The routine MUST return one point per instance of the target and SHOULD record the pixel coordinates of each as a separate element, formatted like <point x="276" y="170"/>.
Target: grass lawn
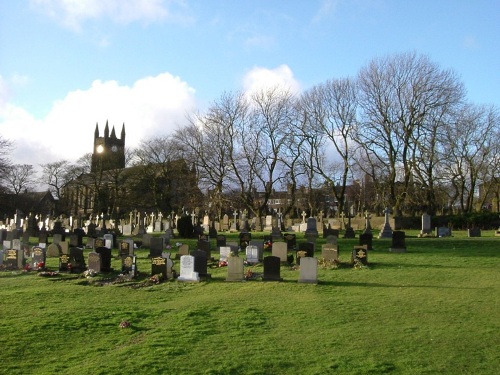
<point x="432" y="310"/>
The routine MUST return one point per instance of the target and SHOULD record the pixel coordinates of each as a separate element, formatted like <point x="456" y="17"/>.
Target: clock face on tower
<point x="100" y="149"/>
<point x="114" y="148"/>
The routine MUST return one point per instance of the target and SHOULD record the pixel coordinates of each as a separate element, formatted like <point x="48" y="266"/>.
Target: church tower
<point x="109" y="151"/>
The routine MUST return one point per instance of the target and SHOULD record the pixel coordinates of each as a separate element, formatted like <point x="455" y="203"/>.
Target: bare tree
<point x="19" y="177"/>
<point x="55" y="175"/>
<point x="399" y="96"/>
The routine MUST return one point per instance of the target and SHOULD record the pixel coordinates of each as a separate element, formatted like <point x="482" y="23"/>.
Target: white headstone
<point x="280" y="250"/>
<point x="225" y="253"/>
<point x="187" y="269"/>
<point x="308" y="270"/>
<point x="252" y="253"/>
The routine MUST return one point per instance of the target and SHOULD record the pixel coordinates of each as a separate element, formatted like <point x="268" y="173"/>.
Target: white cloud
<point x="152" y="106"/>
<point x="262" y="78"/>
<point x="73" y="13"/>
<point x="327" y="8"/>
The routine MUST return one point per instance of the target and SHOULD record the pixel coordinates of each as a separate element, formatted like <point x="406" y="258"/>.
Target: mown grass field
<point x="432" y="310"/>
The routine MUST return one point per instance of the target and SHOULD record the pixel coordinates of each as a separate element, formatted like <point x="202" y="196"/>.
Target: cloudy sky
<point x="66" y="65"/>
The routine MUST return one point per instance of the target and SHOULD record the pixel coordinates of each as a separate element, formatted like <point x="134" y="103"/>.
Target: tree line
<point x="402" y="127"/>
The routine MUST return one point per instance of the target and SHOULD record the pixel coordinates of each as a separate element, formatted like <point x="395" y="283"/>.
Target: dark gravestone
<point x="129" y="265"/>
<point x="43" y="237"/>
<point x="38" y="257"/>
<point x="328" y="231"/>
<point x="3" y="235"/>
<point x="200" y="263"/>
<point x="159" y="266"/>
<point x="360" y="254"/>
<point x="77" y="260"/>
<point x="58" y="229"/>
<point x="245" y="238"/>
<point x="155" y="247"/>
<point x="212" y="232"/>
<point x="204" y="246"/>
<point x="203" y="237"/>
<point x="474" y="232"/>
<point x="98" y="242"/>
<point x="306" y="249"/>
<point x="272" y="269"/>
<point x="64" y="263"/>
<point x="398" y="242"/>
<point x="221" y="240"/>
<point x="75" y="240"/>
<point x="91" y="230"/>
<point x="105" y="258"/>
<point x="366" y="239"/>
<point x="124" y="248"/>
<point x="13" y="259"/>
<point x="291" y="240"/>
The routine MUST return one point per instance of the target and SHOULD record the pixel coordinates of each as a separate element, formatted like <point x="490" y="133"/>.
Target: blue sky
<point x="67" y="64"/>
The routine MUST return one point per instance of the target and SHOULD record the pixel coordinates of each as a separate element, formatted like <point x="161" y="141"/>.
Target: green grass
<point x="434" y="309"/>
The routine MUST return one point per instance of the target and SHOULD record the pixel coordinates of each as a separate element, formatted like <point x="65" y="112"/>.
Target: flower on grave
<point x="168" y="247"/>
<point x="27" y="267"/>
<point x="125" y="324"/>
<point x="156" y="279"/>
<point x="268" y="245"/>
<point x="249" y="274"/>
<point x="40" y="265"/>
<point x="89" y="273"/>
<point x="223" y="263"/>
<point x="178" y="244"/>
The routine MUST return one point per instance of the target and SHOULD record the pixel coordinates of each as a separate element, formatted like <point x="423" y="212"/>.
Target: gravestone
<point x="127" y="229"/>
<point x="187" y="272"/>
<point x="272" y="269"/>
<point x="106" y="256"/>
<point x="221" y="240"/>
<point x="330" y="252"/>
<point x="235" y="269"/>
<point x="291" y="240"/>
<point x="426" y="226"/>
<point x="252" y="254"/>
<point x="474" y="232"/>
<point x="398" y="242"/>
<point x="308" y="270"/>
<point x="64" y="247"/>
<point x="94" y="261"/>
<point x="64" y="263"/>
<point x="38" y="257"/>
<point x="129" y="265"/>
<point x="443" y="232"/>
<point x="159" y="266"/>
<point x="328" y="231"/>
<point x="203" y="237"/>
<point x="2" y="252"/>
<point x="54" y="250"/>
<point x="306" y="249"/>
<point x="245" y="238"/>
<point x="204" y="245"/>
<point x="200" y="263"/>
<point x="169" y="264"/>
<point x="269" y="223"/>
<point x="225" y="223"/>
<point x="360" y="253"/>
<point x="260" y="246"/>
<point x="225" y="253"/>
<point x="98" y="242"/>
<point x="311" y="229"/>
<point x="127" y="247"/>
<point x="386" y="231"/>
<point x="109" y="240"/>
<point x="155" y="247"/>
<point x="13" y="259"/>
<point x="280" y="250"/>
<point x="57" y="238"/>
<point x="77" y="260"/>
<point x="183" y="250"/>
<point x="76" y="240"/>
<point x="43" y="238"/>
<point x="366" y="239"/>
<point x="331" y="239"/>
<point x="146" y="240"/>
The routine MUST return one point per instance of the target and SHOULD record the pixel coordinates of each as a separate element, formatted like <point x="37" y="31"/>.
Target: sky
<point x="67" y="65"/>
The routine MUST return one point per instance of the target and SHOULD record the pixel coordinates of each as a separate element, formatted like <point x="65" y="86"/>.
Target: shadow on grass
<point x="379" y="285"/>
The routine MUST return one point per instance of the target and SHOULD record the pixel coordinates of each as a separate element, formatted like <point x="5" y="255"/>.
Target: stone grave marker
<point x="443" y="232"/>
<point x="235" y="269"/>
<point x="225" y="223"/>
<point x="13" y="259"/>
<point x="245" y="238"/>
<point x="426" y="226"/>
<point x="159" y="266"/>
<point x="386" y="231"/>
<point x="169" y="264"/>
<point x="64" y="263"/>
<point x="234" y="246"/>
<point x="360" y="253"/>
<point x="221" y="240"/>
<point x="64" y="247"/>
<point x="75" y="240"/>
<point x="43" y="238"/>
<point x="260" y="246"/>
<point x="77" y="260"/>
<point x="225" y="253"/>
<point x="127" y="229"/>
<point x="38" y="257"/>
<point x="57" y="238"/>
<point x="280" y="250"/>
<point x="474" y="232"/>
<point x="311" y="229"/>
<point x="306" y="249"/>
<point x="308" y="270"/>
<point x="200" y="263"/>
<point x="398" y="242"/>
<point x="94" y="261"/>
<point x="109" y="241"/>
<point x="204" y="245"/>
<point x="105" y="253"/>
<point x="252" y="254"/>
<point x="146" y="240"/>
<point x="53" y="250"/>
<point x="2" y="252"/>
<point x="99" y="242"/>
<point x="155" y="247"/>
<point x="330" y="252"/>
<point x="291" y="240"/>
<point x="272" y="269"/>
<point x="127" y="247"/>
<point x="183" y="250"/>
<point x="129" y="265"/>
<point x="187" y="272"/>
<point x="366" y="239"/>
